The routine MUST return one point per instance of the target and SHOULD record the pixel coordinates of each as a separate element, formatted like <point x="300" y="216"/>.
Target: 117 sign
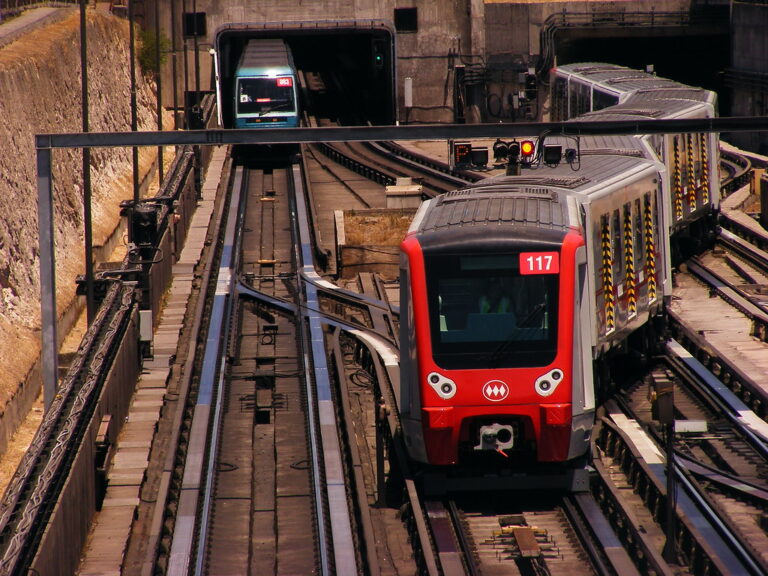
<point x="539" y="263"/>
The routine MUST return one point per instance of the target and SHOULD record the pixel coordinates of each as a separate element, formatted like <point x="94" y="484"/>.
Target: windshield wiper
<point x="500" y="352"/>
<point x="528" y="321"/>
<point x="273" y="108"/>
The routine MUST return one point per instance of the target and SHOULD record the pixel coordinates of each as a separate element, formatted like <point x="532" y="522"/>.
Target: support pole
<point x="50" y="352"/>
<point x="134" y="113"/>
<point x="159" y="86"/>
<point x="90" y="301"/>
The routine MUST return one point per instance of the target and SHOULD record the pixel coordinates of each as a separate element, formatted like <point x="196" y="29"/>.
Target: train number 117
<point x="539" y="263"/>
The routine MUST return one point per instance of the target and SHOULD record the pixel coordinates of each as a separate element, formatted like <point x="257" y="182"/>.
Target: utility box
<point x="404" y="194"/>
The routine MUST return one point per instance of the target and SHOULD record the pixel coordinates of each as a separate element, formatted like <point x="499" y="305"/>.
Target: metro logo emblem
<point x="539" y="263"/>
<point x="285" y="82"/>
<point x="495" y="390"/>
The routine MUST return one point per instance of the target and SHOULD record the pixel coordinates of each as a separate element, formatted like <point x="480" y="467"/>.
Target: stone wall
<point x="40" y="92"/>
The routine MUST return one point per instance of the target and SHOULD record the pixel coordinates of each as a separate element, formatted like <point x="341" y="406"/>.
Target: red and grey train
<point x="515" y="290"/>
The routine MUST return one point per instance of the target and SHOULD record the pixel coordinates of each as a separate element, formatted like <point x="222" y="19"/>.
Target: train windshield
<point x="263" y="95"/>
<point x="493" y="311"/>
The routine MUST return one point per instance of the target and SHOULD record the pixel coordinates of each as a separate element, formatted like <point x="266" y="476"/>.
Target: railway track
<point x="455" y="542"/>
<point x="718" y="529"/>
<point x="276" y="378"/>
<point x="715" y="470"/>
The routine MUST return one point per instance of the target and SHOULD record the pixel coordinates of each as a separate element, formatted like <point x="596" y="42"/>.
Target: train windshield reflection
<point x="488" y="314"/>
<point x="262" y="95"/>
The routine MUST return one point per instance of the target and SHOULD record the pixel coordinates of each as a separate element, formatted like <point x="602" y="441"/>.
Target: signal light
<point x="516" y="153"/>
<point x="527" y="147"/>
<point x="500" y="150"/>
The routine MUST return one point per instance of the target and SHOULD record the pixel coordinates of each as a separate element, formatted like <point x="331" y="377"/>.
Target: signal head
<point x="527" y="147"/>
<point x="500" y="150"/>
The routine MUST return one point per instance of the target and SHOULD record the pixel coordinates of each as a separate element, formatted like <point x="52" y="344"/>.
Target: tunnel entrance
<point x="356" y="61"/>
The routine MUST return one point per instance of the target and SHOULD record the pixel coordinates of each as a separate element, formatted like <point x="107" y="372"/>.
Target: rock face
<point x="40" y="93"/>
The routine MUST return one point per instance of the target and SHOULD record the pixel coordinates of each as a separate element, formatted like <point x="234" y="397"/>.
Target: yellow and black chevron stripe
<point x="704" y="169"/>
<point x="607" y="261"/>
<point x="650" y="247"/>
<point x="677" y="183"/>
<point x="691" y="175"/>
<point x="629" y="261"/>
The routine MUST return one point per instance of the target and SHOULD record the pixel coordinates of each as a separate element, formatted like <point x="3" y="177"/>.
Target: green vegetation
<point x="148" y="52"/>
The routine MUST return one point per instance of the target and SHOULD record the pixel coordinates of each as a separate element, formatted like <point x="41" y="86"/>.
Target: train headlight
<point x="547" y="383"/>
<point x="445" y="387"/>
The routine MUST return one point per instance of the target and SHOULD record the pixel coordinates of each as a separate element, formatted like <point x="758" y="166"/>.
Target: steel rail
<point x="754" y="428"/>
<point x="645" y="551"/>
<point x="325" y="441"/>
<point x="742" y="489"/>
<point x="607" y="554"/>
<point x="743" y="561"/>
<point x="359" y="494"/>
<point x="191" y="521"/>
<point x="443" y="528"/>
<point x="459" y="177"/>
<point x="738" y="381"/>
<point x="730" y="294"/>
<point x="155" y="548"/>
<point x="756" y="256"/>
<point x="717" y="540"/>
<point x="226" y="289"/>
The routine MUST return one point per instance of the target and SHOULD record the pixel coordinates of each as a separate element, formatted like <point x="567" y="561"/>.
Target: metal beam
<point x="50" y="359"/>
<point x="414" y="132"/>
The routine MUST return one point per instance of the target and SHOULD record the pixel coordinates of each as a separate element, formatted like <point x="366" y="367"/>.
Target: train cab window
<point x="485" y="313"/>
<point x="580" y="100"/>
<point x="559" y="105"/>
<point x="262" y="95"/>
<point x="602" y="100"/>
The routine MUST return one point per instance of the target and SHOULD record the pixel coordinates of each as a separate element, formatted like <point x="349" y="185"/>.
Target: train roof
<point x="541" y="198"/>
<point x="644" y="106"/>
<point x="617" y="78"/>
<point x="266" y="57"/>
<point x="604" y="145"/>
<point x="595" y="171"/>
<point x="498" y="203"/>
